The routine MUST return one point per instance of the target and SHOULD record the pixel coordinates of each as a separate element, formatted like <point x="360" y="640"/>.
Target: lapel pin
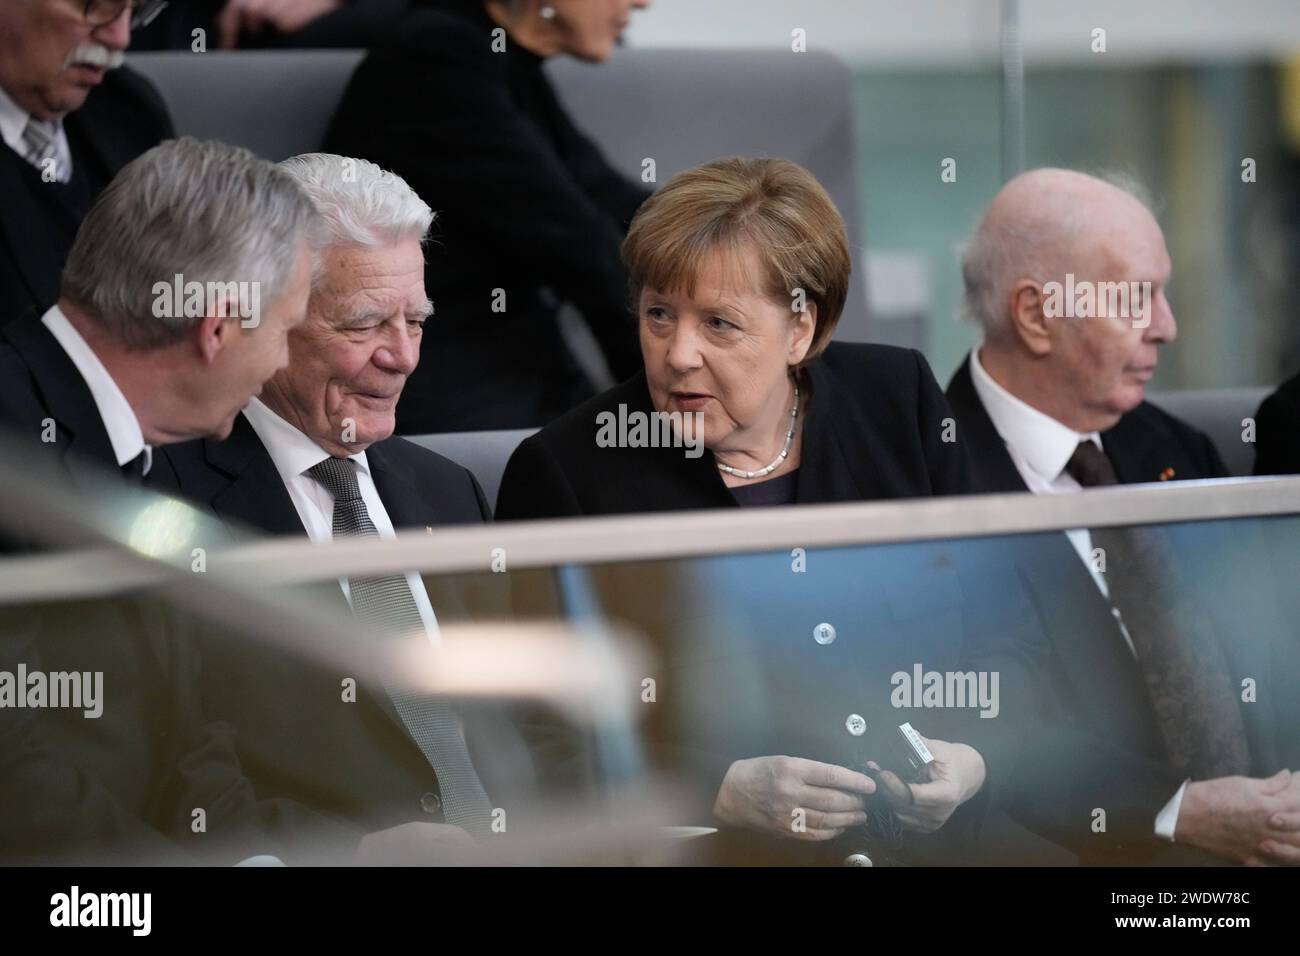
<point x="1166" y="474"/>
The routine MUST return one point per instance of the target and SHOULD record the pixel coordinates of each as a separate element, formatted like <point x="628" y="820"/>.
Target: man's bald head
<point x="1066" y="274"/>
<point x="1041" y="225"/>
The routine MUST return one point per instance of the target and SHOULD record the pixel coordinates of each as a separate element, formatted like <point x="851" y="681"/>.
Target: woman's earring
<point x="547" y="11"/>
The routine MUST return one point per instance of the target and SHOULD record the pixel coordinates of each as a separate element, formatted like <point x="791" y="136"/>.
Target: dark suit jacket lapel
<point x="837" y="459"/>
<point x="96" y="128"/>
<point x="990" y="461"/>
<point x="1135" y="457"/>
<point x="408" y="505"/>
<point x="81" y="437"/>
<point x="27" y="229"/>
<point x="255" y="496"/>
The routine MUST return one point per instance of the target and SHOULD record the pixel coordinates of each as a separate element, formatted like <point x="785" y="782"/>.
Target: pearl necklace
<point x="789" y="440"/>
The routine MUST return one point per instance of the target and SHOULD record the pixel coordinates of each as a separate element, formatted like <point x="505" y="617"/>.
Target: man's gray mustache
<point x="96" y="54"/>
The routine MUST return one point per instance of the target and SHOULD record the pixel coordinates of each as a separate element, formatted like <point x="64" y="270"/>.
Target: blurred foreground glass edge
<point x="555" y="613"/>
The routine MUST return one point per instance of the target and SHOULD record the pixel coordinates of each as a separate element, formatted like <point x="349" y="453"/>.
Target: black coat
<point x="43" y="397"/>
<point x="338" y="771"/>
<point x="1100" y="746"/>
<point x="1277" y="431"/>
<point x="874" y="430"/>
<point x="120" y="119"/>
<point x="106" y="788"/>
<point x="738" y="683"/>
<point x="525" y="203"/>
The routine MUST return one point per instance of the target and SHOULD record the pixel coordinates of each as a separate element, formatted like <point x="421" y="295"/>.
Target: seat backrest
<point x="1218" y="412"/>
<point x="678" y="108"/>
<point x="686" y="107"/>
<point x="483" y="453"/>
<point x="278" y="104"/>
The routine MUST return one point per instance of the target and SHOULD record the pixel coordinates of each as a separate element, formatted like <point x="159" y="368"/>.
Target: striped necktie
<point x="387" y="604"/>
<point x="41" y="140"/>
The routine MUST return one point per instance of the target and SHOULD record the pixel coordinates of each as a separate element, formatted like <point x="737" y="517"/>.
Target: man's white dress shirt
<point x="116" y="413"/>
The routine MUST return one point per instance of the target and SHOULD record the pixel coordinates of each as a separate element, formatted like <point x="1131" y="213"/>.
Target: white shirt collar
<point x="13" y="120"/>
<point x="290" y="449"/>
<point x="114" y="410"/>
<point x="1044" y="443"/>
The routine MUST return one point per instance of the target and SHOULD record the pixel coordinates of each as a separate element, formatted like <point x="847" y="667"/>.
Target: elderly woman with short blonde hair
<point x="739" y="270"/>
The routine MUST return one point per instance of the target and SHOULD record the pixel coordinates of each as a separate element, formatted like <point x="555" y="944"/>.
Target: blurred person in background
<point x="530" y="214"/>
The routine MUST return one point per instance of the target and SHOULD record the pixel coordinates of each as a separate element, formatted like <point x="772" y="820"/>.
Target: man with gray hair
<point x="1067" y="275"/>
<point x="177" y="300"/>
<point x="182" y="285"/>
<point x="71" y="115"/>
<point x="315" y="456"/>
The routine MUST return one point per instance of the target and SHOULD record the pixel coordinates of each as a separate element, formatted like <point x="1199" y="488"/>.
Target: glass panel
<point x="624" y="710"/>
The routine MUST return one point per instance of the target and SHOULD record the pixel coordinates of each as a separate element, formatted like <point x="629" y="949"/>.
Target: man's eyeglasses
<point x="100" y="13"/>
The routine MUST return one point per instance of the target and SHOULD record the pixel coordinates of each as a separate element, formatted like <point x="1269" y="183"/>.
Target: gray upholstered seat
<point x="483" y="453"/>
<point x="1218" y="412"/>
<point x="277" y="104"/>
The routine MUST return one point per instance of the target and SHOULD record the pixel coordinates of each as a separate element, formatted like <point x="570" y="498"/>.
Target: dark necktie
<point x="1182" y="662"/>
<point x="133" y="470"/>
<point x="386" y="604"/>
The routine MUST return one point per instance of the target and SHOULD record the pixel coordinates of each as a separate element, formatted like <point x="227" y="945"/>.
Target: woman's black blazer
<point x="876" y="427"/>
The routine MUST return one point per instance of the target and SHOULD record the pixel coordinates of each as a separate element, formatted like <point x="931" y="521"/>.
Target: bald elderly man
<point x="1066" y="274"/>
